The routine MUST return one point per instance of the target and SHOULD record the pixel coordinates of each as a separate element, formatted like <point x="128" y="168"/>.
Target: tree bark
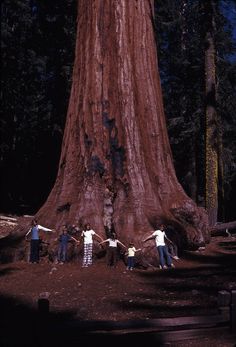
<point x="116" y="167"/>
<point x="211" y="133"/>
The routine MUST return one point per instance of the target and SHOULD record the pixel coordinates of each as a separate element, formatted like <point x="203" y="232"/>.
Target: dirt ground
<point x="101" y="293"/>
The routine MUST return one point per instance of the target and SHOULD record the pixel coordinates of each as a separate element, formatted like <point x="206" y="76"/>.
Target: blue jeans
<point x="34" y="251"/>
<point x="130" y="262"/>
<point x="163" y="254"/>
<point x="62" y="252"/>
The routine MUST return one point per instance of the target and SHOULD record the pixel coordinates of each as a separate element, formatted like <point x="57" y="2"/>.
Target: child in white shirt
<point x="112" y="249"/>
<point x="88" y="234"/>
<point x="131" y="256"/>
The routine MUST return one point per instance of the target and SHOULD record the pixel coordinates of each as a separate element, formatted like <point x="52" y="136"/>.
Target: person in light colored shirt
<point x="88" y="234"/>
<point x="35" y="240"/>
<point x="112" y="255"/>
<point x="131" y="256"/>
<point x="164" y="256"/>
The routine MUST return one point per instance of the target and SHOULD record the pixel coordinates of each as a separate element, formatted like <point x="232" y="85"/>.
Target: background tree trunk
<point x="211" y="135"/>
<point x="116" y="166"/>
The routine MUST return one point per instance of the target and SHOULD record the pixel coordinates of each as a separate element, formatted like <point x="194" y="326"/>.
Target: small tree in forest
<point x="116" y="166"/>
<point x="211" y="136"/>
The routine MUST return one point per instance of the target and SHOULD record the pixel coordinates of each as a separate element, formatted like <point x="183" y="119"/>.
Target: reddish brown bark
<point x="116" y="165"/>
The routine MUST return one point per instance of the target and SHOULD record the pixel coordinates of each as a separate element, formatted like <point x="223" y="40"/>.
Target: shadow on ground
<point x="25" y="327"/>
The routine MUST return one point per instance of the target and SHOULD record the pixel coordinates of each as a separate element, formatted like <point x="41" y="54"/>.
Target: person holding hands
<point x="164" y="257"/>
<point x="131" y="256"/>
<point x="112" y="254"/>
<point x="64" y="238"/>
<point x="88" y="235"/>
<point x="35" y="240"/>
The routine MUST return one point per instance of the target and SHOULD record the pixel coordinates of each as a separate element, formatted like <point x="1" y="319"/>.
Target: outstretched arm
<point x="43" y="228"/>
<point x="168" y="239"/>
<point x="98" y="236"/>
<point x="121" y="244"/>
<point x="75" y="239"/>
<point x="148" y="238"/>
<point x="28" y="233"/>
<point x="103" y="241"/>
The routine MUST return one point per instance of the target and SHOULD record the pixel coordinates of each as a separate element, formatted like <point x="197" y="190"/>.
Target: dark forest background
<point x="37" y="45"/>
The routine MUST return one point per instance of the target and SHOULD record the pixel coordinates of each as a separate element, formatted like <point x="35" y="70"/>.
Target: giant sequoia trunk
<point x="116" y="166"/>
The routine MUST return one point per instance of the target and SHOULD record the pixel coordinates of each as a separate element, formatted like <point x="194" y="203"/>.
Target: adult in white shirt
<point x="164" y="256"/>
<point x="112" y="249"/>
<point x="88" y="234"/>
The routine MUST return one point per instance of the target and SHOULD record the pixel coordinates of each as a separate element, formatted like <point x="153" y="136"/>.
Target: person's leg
<point x="59" y="253"/>
<point x="167" y="256"/>
<point x="114" y="255"/>
<point x="109" y="256"/>
<point x="90" y="254"/>
<point x="176" y="251"/>
<point x="32" y="251"/>
<point x="171" y="250"/>
<point x="85" y="257"/>
<point x="161" y="255"/>
<point x="131" y="263"/>
<point x="64" y="249"/>
<point x="37" y="251"/>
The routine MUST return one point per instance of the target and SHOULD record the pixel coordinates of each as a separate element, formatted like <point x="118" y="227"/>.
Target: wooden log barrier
<point x="43" y="307"/>
<point x="223" y="302"/>
<point x="233" y="311"/>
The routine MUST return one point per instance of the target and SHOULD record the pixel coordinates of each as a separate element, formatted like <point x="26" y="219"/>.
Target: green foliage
<point x="180" y="29"/>
<point x="38" y="40"/>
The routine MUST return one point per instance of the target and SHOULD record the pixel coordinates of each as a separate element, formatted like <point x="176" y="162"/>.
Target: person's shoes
<point x="175" y="257"/>
<point x="172" y="266"/>
<point x="164" y="267"/>
<point x="131" y="268"/>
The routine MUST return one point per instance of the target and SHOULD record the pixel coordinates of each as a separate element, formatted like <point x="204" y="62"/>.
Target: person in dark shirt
<point x="35" y="240"/>
<point x="64" y="238"/>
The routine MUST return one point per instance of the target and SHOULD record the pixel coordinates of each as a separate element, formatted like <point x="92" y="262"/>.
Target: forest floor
<point x="101" y="293"/>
